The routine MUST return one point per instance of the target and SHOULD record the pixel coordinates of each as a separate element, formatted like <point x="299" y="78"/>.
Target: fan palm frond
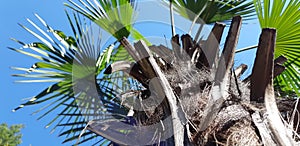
<point x="80" y="92"/>
<point x="211" y="11"/>
<point x="113" y="16"/>
<point x="284" y="16"/>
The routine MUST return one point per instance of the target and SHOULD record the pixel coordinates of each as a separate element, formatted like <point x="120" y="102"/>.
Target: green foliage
<point x="212" y="11"/>
<point x="74" y="65"/>
<point x="284" y="16"/>
<point x="113" y="16"/>
<point x="107" y="16"/>
<point x="10" y="136"/>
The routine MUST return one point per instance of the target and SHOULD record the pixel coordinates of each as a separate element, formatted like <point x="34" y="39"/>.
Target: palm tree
<point x="72" y="93"/>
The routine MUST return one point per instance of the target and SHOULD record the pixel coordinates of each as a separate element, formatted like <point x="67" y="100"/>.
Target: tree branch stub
<point x="211" y="45"/>
<point x="218" y="91"/>
<point x="263" y="65"/>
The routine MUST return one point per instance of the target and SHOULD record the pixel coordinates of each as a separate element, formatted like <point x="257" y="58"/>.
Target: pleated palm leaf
<point x="211" y="11"/>
<point x="113" y="16"/>
<point x="80" y="92"/>
<point x="284" y="16"/>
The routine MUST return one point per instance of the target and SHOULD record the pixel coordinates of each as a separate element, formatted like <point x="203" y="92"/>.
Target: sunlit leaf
<point x="284" y="16"/>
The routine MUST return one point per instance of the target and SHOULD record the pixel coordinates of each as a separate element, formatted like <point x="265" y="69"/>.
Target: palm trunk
<point x="201" y="101"/>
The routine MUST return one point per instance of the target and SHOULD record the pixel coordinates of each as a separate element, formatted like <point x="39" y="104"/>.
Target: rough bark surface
<point x="207" y="102"/>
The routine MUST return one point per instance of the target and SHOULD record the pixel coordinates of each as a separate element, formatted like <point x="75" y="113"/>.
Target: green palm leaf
<point x="80" y="91"/>
<point x="284" y="16"/>
<point x="113" y="16"/>
<point x="211" y="11"/>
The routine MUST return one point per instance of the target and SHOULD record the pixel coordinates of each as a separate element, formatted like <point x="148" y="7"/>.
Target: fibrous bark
<point x="201" y="94"/>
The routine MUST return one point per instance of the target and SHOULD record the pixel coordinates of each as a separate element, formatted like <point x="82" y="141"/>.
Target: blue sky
<point x="16" y="11"/>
